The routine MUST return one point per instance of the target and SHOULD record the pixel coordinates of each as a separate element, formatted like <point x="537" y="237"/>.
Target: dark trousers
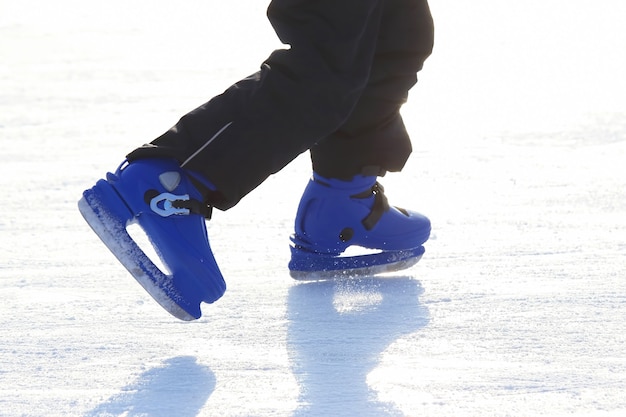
<point x="337" y="90"/>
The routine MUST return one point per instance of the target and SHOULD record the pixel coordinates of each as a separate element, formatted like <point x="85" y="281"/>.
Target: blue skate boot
<point x="334" y="215"/>
<point x="162" y="198"/>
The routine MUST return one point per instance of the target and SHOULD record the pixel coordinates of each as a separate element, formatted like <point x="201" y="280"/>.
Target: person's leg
<point x="219" y="152"/>
<point x="373" y="139"/>
<point x="301" y="95"/>
<point x="343" y="205"/>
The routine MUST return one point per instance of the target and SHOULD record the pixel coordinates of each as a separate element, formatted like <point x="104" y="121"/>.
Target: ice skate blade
<point x="308" y="266"/>
<point x="110" y="227"/>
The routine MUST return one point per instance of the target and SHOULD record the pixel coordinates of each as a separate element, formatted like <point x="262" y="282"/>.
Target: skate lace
<point x="380" y="206"/>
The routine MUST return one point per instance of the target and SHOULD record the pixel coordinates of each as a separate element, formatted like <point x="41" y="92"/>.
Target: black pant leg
<point x="373" y="139"/>
<point x="301" y="94"/>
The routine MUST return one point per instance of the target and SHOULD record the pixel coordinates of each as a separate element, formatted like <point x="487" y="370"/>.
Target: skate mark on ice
<point x="179" y="388"/>
<point x="337" y="333"/>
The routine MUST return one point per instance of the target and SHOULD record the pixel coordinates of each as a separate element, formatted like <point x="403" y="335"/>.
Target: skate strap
<point x="194" y="206"/>
<point x="381" y="205"/>
<point x="176" y="204"/>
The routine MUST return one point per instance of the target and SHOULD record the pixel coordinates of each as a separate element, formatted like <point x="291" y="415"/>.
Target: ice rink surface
<point x="518" y="307"/>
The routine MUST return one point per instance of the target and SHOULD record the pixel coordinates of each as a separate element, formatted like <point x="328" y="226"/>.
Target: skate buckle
<point x="162" y="204"/>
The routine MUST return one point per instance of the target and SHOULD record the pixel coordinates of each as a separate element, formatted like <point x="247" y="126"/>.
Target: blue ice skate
<point x="159" y="196"/>
<point x="334" y="215"/>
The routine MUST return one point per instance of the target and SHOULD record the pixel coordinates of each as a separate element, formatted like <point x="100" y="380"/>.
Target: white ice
<point x="518" y="307"/>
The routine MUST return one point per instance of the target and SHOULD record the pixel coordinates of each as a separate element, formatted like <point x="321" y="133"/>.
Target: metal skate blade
<point x="114" y="235"/>
<point x="323" y="267"/>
